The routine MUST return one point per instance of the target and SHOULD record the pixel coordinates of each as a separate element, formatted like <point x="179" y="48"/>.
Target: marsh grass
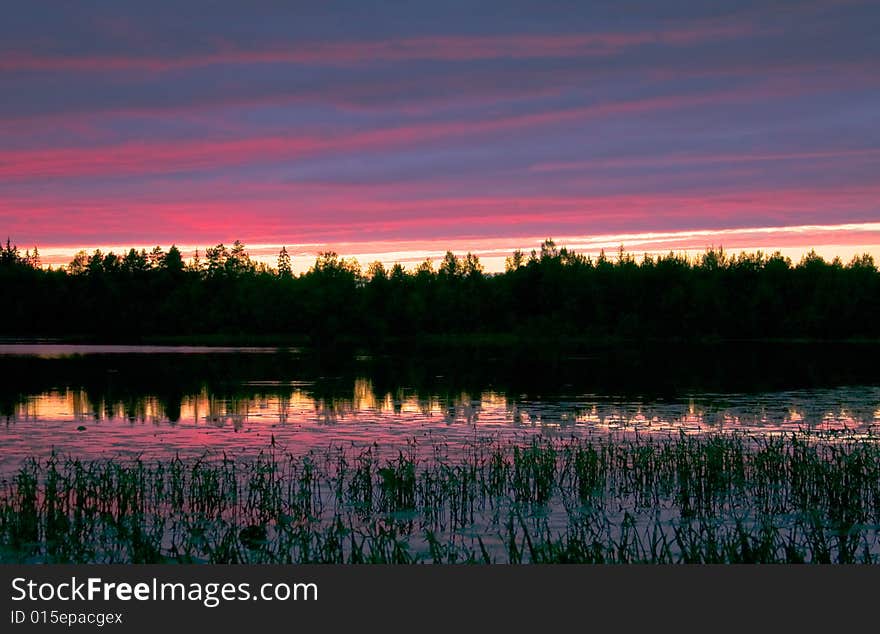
<point x="708" y="499"/>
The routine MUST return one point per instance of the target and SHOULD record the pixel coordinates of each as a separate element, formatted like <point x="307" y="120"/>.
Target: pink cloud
<point x="170" y="156"/>
<point x="313" y="214"/>
<point x="702" y="159"/>
<point x="442" y="48"/>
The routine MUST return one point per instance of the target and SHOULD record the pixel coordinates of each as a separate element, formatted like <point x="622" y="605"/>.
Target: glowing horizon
<point x="829" y="241"/>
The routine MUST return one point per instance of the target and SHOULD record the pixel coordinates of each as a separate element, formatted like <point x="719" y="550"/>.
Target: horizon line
<point x="826" y="239"/>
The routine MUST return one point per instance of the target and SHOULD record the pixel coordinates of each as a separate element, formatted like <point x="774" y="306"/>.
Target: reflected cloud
<point x="160" y="405"/>
<point x="844" y="408"/>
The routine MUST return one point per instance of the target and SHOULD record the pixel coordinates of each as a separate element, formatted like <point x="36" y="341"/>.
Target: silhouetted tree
<point x="554" y="291"/>
<point x="173" y="261"/>
<point x="196" y="264"/>
<point x="514" y="261"/>
<point x="284" y="269"/>
<point x="216" y="258"/>
<point x="156" y="257"/>
<point x="135" y="262"/>
<point x="79" y="264"/>
<point x="238" y="261"/>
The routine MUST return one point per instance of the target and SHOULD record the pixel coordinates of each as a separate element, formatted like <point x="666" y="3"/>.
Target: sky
<point x="398" y="130"/>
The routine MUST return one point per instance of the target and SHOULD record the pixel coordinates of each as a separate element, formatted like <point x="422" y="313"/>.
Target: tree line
<point x="552" y="291"/>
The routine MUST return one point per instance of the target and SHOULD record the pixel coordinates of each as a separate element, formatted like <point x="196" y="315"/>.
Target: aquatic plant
<point x="727" y="498"/>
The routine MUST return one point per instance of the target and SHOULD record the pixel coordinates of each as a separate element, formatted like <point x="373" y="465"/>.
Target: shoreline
<point x="488" y="340"/>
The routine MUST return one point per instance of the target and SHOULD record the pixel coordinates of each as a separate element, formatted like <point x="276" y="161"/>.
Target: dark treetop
<point x="552" y="292"/>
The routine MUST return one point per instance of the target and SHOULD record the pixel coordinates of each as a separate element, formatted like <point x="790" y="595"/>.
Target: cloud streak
<point x="152" y="157"/>
<point x="446" y="48"/>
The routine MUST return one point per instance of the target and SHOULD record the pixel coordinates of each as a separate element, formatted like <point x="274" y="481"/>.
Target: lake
<point x="430" y="453"/>
<point x="93" y="401"/>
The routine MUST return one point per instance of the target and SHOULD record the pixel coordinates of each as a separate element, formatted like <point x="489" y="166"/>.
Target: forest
<point x="551" y="292"/>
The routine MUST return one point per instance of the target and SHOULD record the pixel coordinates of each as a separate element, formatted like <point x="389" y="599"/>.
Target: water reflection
<point x="165" y="404"/>
<point x="851" y="408"/>
<point x="64" y="350"/>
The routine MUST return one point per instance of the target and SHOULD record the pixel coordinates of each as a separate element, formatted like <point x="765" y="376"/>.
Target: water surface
<point x="162" y="401"/>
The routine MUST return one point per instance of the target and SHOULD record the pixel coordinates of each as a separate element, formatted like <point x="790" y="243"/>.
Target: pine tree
<point x="284" y="269"/>
<point x="173" y="261"/>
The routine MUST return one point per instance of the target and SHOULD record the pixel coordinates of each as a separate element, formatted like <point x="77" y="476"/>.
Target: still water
<point x="162" y="401"/>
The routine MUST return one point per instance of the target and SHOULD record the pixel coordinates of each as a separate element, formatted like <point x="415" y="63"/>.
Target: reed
<point x="728" y="498"/>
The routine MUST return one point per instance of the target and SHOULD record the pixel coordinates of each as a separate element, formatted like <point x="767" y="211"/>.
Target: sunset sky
<point x="397" y="130"/>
